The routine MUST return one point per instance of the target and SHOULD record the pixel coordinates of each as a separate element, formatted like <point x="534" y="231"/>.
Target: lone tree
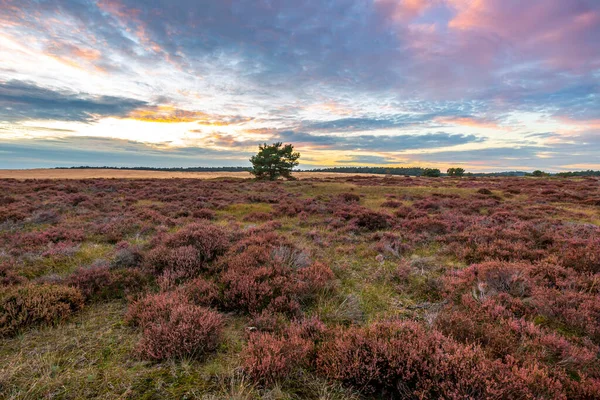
<point x="273" y="161"/>
<point x="538" y="173"/>
<point x="431" y="172"/>
<point x="455" y="171"/>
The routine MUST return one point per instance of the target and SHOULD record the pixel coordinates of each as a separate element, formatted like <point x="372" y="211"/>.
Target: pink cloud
<point x="403" y="10"/>
<point x="562" y="34"/>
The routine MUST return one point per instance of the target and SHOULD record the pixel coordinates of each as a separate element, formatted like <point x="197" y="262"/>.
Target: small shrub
<point x="101" y="283"/>
<point x="204" y="213"/>
<point x="349" y="197"/>
<point x="271" y="357"/>
<point x="22" y="306"/>
<point x="257" y="278"/>
<point x="173" y="328"/>
<point x="391" y="204"/>
<point x="209" y="239"/>
<point x="201" y="292"/>
<point x="9" y="275"/>
<point x="180" y="262"/>
<point x="258" y="216"/>
<point x="403" y="359"/>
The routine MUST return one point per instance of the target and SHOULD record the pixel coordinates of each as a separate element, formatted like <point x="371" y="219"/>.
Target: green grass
<point x="85" y="255"/>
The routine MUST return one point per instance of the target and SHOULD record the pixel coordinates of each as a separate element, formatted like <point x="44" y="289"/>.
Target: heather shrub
<point x="490" y="278"/>
<point x="316" y="277"/>
<point x="189" y="331"/>
<point x="391" y="204"/>
<point x="91" y="281"/>
<point x="403" y="359"/>
<point x="265" y="277"/>
<point x="362" y="218"/>
<point x="204" y="213"/>
<point x="266" y="321"/>
<point x="172" y="327"/>
<point x="22" y="306"/>
<point x="208" y="239"/>
<point x="180" y="262"/>
<point x="580" y="253"/>
<point x="6" y="200"/>
<point x="371" y="220"/>
<point x="349" y="197"/>
<point x="9" y="275"/>
<point x="257" y="216"/>
<point x="271" y="357"/>
<point x="201" y="292"/>
<point x="99" y="282"/>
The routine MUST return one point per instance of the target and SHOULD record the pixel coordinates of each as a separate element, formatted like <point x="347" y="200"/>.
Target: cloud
<point x="77" y="151"/>
<point x="367" y="75"/>
<point x="24" y="100"/>
<point x="367" y="160"/>
<point x="390" y="143"/>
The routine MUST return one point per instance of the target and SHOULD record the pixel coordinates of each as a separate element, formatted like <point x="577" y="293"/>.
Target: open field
<point x="324" y="288"/>
<point x="139" y="174"/>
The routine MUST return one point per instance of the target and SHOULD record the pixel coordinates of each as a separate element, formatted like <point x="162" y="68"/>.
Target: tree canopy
<point x="273" y="161"/>
<point x="431" y="172"/>
<point x="455" y="171"/>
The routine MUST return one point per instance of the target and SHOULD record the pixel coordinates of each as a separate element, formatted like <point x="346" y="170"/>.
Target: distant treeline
<point x="589" y="172"/>
<point x="174" y="169"/>
<point x="410" y="171"/>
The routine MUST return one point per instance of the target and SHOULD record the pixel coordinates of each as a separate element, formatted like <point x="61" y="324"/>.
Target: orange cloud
<point x="167" y="114"/>
<point x="86" y="54"/>
<point x="470" y="14"/>
<point x="469" y="121"/>
<point x="170" y="114"/>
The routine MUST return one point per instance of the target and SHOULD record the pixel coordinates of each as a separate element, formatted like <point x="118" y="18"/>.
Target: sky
<point x="487" y="85"/>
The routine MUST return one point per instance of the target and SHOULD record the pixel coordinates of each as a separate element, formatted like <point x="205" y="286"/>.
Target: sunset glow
<point x="485" y="84"/>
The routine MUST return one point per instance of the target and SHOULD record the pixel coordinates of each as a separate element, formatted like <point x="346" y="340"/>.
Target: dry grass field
<point x="131" y="174"/>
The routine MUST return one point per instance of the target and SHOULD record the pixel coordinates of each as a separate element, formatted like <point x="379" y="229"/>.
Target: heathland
<point x="329" y="287"/>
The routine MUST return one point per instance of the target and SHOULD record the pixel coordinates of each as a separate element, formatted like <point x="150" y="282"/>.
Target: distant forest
<point x="173" y="169"/>
<point x="409" y="171"/>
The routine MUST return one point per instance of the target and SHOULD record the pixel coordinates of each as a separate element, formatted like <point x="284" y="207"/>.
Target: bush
<point x="258" y="216"/>
<point x="9" y="275"/>
<point x="102" y="283"/>
<point x="201" y="292"/>
<point x="180" y="262"/>
<point x="208" y="239"/>
<point x="174" y="328"/>
<point x="363" y="218"/>
<point x="349" y="197"/>
<point x="258" y="278"/>
<point x="204" y="213"/>
<point x="372" y="221"/>
<point x="270" y="357"/>
<point x="22" y="306"/>
<point x="402" y="359"/>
